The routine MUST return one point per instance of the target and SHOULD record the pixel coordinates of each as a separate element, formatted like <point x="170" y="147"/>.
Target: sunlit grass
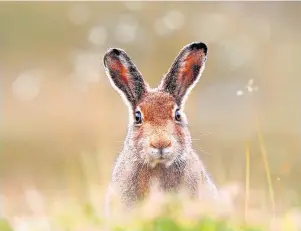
<point x="166" y="213"/>
<point x="4" y="225"/>
<point x="247" y="191"/>
<point x="159" y="212"/>
<point x="266" y="166"/>
<point x="264" y="156"/>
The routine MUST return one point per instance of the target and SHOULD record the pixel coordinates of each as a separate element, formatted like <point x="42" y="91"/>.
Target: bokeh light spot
<point x="79" y="14"/>
<point x="126" y="30"/>
<point x="26" y="87"/>
<point x="135" y="6"/>
<point x="174" y="20"/>
<point x="98" y="35"/>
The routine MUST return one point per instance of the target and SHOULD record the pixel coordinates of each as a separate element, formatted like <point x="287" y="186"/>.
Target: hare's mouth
<point x="160" y="160"/>
<point x="159" y="156"/>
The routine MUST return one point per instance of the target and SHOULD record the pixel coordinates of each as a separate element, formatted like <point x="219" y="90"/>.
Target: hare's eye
<point x="177" y="115"/>
<point x="138" y="117"/>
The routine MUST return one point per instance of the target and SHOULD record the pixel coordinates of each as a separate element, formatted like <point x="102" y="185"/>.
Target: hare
<point x="158" y="142"/>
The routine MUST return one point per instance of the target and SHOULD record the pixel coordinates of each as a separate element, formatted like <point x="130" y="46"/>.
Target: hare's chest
<point x="159" y="178"/>
<point x="166" y="179"/>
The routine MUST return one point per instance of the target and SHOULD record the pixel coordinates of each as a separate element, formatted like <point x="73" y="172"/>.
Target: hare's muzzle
<point x="160" y="142"/>
<point x="160" y="146"/>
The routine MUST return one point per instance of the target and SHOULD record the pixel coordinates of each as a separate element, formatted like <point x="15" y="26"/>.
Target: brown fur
<point x="157" y="108"/>
<point x="158" y="148"/>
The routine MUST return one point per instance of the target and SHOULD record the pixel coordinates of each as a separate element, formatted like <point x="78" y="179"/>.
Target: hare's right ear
<point x="185" y="71"/>
<point x="124" y="75"/>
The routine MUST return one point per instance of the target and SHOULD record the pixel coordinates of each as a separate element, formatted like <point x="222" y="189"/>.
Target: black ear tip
<point x="111" y="53"/>
<point x="199" y="46"/>
<point x="114" y="51"/>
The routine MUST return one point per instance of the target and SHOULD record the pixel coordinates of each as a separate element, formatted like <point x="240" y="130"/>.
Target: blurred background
<point x="62" y="124"/>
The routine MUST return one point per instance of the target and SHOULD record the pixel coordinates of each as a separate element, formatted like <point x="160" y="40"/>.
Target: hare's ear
<point x="124" y="75"/>
<point x="185" y="71"/>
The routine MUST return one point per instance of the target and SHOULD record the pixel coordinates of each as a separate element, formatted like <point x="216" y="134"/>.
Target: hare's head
<point x="158" y="127"/>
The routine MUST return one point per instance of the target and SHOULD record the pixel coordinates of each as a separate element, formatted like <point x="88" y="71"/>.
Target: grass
<point x="172" y="216"/>
<point x="266" y="166"/>
<point x="158" y="213"/>
<point x="247" y="197"/>
<point x="4" y="225"/>
<point x="264" y="156"/>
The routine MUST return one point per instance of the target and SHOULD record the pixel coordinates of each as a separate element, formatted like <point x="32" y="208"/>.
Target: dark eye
<point x="138" y="117"/>
<point x="178" y="115"/>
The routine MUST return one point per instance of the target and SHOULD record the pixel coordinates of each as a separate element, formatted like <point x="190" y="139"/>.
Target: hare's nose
<point x="160" y="143"/>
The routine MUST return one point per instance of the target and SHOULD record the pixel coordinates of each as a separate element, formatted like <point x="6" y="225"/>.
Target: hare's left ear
<point x="124" y="75"/>
<point x="185" y="71"/>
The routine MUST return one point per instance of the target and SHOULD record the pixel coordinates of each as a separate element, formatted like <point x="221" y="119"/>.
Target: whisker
<point x="114" y="150"/>
<point x="205" y="134"/>
<point x="202" y="134"/>
<point x="203" y="151"/>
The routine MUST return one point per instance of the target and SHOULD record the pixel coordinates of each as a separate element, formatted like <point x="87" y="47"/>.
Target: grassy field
<point x="174" y="213"/>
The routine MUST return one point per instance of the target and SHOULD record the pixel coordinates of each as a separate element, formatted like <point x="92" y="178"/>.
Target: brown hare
<point x="158" y="143"/>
